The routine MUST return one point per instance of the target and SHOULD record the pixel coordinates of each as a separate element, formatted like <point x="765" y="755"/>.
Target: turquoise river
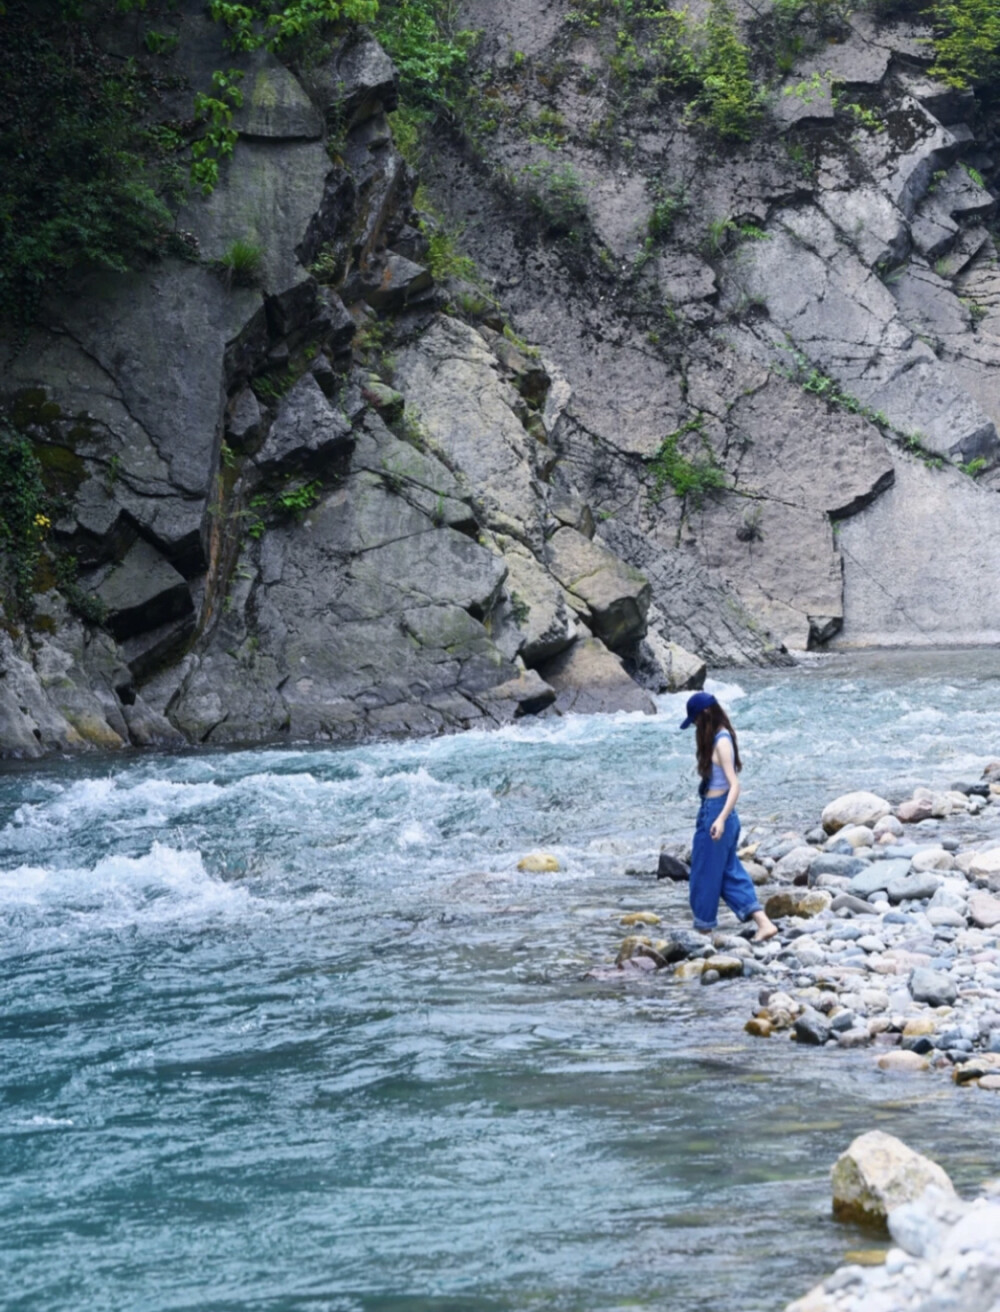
<point x="286" y="1029"/>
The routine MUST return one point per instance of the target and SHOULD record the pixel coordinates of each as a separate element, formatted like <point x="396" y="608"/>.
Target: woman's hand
<point x="718" y="828"/>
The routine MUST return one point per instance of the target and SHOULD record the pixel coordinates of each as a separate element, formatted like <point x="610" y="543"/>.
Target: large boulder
<point x="142" y="592"/>
<point x="306" y="429"/>
<point x="588" y="678"/>
<point x="878" y="1173"/>
<point x="547" y="624"/>
<point x="615" y="595"/>
<point x="859" y="808"/>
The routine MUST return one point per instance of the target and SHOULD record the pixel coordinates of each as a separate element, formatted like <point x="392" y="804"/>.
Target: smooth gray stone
<point x="933" y="987"/>
<point x="847" y="901"/>
<point x="811" y="1027"/>
<point x="877" y="877"/>
<point x="835" y="863"/>
<point x="915" y="887"/>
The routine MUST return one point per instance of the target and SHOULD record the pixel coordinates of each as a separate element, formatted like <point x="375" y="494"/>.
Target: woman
<point x="715" y="868"/>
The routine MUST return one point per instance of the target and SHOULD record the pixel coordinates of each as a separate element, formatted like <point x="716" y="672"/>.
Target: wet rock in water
<point x="709" y="976"/>
<point x="640" y="918"/>
<point x="760" y="1026"/>
<point x="690" y="969"/>
<point x="933" y="987"/>
<point x="984" y="909"/>
<point x="978" y="1068"/>
<point x="670" y="868"/>
<point x="538" y="863"/>
<point x="879" y="1173"/>
<point x="860" y="808"/>
<point x="725" y="967"/>
<point x="811" y="1027"/>
<point x="630" y="946"/>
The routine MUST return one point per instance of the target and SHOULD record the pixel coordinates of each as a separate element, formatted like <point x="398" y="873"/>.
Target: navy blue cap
<point x="697" y="702"/>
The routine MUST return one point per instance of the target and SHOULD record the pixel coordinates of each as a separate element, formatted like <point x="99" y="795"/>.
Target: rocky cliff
<point x="336" y="496"/>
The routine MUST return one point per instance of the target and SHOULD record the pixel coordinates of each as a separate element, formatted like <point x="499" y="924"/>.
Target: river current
<point x="286" y="1029"/>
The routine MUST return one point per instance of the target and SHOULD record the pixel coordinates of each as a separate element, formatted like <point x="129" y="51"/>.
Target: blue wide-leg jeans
<point x="716" y="870"/>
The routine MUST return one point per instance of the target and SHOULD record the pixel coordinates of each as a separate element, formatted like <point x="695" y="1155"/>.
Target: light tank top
<point x="717" y="779"/>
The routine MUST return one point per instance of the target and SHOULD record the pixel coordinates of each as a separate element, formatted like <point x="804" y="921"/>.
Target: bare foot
<point x="766" y="928"/>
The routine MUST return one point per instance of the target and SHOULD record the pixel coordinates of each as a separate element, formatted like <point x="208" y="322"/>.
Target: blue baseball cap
<point x="696" y="703"/>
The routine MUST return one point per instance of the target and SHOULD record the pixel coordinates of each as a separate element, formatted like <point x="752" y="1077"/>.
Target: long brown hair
<point x="709" y="722"/>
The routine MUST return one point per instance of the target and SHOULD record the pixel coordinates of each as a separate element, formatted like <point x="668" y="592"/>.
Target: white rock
<point x="946" y="916"/>
<point x="859" y="808"/>
<point x="932" y="858"/>
<point x="878" y="1173"/>
<point x="888" y="825"/>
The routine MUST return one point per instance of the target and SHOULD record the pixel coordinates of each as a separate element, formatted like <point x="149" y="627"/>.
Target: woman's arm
<point x="724" y="751"/>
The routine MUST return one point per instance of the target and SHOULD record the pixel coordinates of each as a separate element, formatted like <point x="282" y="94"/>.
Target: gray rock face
<point x="919" y="564"/>
<point x="588" y="678"/>
<point x="615" y="596"/>
<point x="468" y="418"/>
<point x="142" y="592"/>
<point x="305" y="429"/>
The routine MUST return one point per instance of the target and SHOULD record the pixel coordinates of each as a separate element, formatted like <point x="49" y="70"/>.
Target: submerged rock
<point x="539" y="863"/>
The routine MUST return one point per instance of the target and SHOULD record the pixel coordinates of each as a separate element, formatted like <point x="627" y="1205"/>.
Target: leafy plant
<point x="967" y="41"/>
<point x="296" y="500"/>
<point x="669" y="205"/>
<point x="262" y="24"/>
<point x="686" y="477"/>
<point x="79" y="178"/>
<point x="974" y="467"/>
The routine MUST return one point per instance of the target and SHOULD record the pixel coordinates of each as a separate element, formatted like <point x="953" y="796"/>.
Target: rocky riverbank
<point x="889" y="923"/>
<point x="946" y="1253"/>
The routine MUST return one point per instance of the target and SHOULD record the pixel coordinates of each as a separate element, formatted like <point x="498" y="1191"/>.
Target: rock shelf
<point x="889" y="933"/>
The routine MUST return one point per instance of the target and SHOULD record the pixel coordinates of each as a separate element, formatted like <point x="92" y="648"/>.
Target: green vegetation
<point x="967" y="42"/>
<point x="25" y="519"/>
<point x="555" y="193"/>
<point x="687" y="478"/>
<point x="669" y="204"/>
<point x="263" y="24"/>
<point x="974" y="467"/>
<point x="704" y="63"/>
<point x="82" y="182"/>
<point x="241" y="263"/>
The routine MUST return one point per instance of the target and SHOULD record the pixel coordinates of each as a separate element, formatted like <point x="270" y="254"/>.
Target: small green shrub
<point x="687" y="478"/>
<point x="974" y="467"/>
<point x="668" y="206"/>
<point x="555" y="193"/>
<point x="240" y="266"/>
